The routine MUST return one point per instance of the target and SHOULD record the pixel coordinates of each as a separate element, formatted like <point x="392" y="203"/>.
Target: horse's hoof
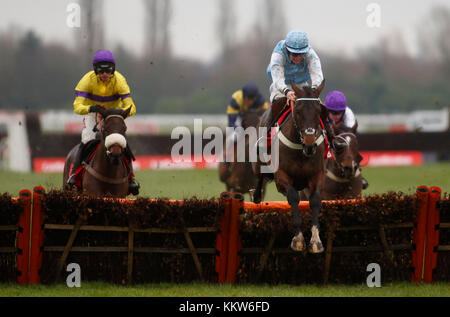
<point x="315" y="247"/>
<point x="298" y="243"/>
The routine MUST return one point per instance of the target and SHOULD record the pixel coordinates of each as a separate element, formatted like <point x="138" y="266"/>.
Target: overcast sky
<point x="332" y="25"/>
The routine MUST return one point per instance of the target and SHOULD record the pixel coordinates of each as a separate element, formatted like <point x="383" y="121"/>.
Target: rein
<point x="329" y="173"/>
<point x="103" y="178"/>
<point x="97" y="175"/>
<point x="332" y="176"/>
<point x="293" y="145"/>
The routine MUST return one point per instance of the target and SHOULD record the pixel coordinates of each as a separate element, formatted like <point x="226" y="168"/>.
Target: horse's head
<point x="250" y="118"/>
<point x="346" y="151"/>
<point x="306" y="114"/>
<point x="113" y="132"/>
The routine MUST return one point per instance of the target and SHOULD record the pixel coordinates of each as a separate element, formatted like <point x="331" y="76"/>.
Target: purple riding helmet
<point x="104" y="59"/>
<point x="336" y="101"/>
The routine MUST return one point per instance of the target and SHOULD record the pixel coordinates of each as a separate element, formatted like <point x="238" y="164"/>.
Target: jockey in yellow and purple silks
<point x="103" y="87"/>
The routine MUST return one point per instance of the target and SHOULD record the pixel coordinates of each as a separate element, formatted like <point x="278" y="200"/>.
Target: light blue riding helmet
<point x="297" y="42"/>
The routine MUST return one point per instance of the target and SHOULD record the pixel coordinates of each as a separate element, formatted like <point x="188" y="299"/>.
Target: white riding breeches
<point x="89" y="121"/>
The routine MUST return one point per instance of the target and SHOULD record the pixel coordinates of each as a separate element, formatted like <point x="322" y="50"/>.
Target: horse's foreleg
<point x="315" y="202"/>
<point x="257" y="194"/>
<point x="298" y="241"/>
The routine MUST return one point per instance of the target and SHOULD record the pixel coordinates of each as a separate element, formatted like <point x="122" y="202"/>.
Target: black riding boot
<point x="76" y="163"/>
<point x="359" y="158"/>
<point x="133" y="186"/>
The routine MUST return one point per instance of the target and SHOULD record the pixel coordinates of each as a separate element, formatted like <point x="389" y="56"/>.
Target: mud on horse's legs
<point x="257" y="194"/>
<point x="315" y="245"/>
<point x="298" y="241"/>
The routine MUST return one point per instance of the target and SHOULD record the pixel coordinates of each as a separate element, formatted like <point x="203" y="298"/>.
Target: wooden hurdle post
<point x="419" y="233"/>
<point x="432" y="235"/>
<point x="235" y="243"/>
<point x="23" y="238"/>
<point x="37" y="235"/>
<point x="223" y="237"/>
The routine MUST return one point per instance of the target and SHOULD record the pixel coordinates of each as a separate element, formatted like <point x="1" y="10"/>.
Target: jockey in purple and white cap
<point x="339" y="112"/>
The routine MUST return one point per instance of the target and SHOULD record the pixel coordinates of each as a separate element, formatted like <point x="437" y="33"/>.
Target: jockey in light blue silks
<point x="293" y="59"/>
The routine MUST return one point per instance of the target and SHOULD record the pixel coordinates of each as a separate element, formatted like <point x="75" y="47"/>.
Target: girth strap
<point x="102" y="178"/>
<point x="331" y="175"/>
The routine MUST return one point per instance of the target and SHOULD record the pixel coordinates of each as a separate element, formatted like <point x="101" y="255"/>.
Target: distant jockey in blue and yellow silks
<point x="242" y="100"/>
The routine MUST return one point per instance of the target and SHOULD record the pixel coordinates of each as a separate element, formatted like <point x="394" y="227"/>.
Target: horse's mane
<point x="113" y="111"/>
<point x="308" y="91"/>
<point x="342" y="129"/>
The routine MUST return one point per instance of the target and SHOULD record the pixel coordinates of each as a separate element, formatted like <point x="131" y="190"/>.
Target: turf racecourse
<point x="226" y="290"/>
<point x="179" y="184"/>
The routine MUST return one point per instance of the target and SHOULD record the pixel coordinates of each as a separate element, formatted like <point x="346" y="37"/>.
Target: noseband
<point x="116" y="137"/>
<point x="309" y="131"/>
<point x="329" y="173"/>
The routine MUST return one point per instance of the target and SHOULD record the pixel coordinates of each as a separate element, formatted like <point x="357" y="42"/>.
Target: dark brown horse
<point x="301" y="160"/>
<point x="106" y="172"/>
<point x="238" y="176"/>
<point x="343" y="178"/>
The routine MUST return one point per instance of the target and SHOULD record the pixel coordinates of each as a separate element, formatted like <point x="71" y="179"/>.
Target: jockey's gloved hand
<point x="96" y="108"/>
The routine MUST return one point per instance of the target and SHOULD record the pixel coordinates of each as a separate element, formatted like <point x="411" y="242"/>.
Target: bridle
<point x="309" y="131"/>
<point x="90" y="169"/>
<point x="95" y="129"/>
<point x="330" y="174"/>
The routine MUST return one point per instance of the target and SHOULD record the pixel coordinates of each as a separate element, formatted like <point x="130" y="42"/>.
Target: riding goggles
<point x="336" y="112"/>
<point x="296" y="54"/>
<point x="104" y="68"/>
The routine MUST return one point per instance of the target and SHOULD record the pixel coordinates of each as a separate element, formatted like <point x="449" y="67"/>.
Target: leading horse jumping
<point x="301" y="155"/>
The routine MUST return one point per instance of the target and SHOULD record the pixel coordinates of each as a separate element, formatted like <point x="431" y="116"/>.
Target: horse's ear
<point x="126" y="112"/>
<point x="355" y="127"/>
<point x="299" y="92"/>
<point x="319" y="89"/>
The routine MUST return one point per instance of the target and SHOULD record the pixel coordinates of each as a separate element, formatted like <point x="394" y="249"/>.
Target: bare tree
<point x="91" y="33"/>
<point x="226" y="26"/>
<point x="159" y="13"/>
<point x="433" y="34"/>
<point x="272" y="22"/>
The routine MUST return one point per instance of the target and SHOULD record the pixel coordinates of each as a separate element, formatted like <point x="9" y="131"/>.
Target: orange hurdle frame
<point x="30" y="236"/>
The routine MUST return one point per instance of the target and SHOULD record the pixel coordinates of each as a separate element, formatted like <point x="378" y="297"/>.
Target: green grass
<point x="95" y="289"/>
<point x="179" y="184"/>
